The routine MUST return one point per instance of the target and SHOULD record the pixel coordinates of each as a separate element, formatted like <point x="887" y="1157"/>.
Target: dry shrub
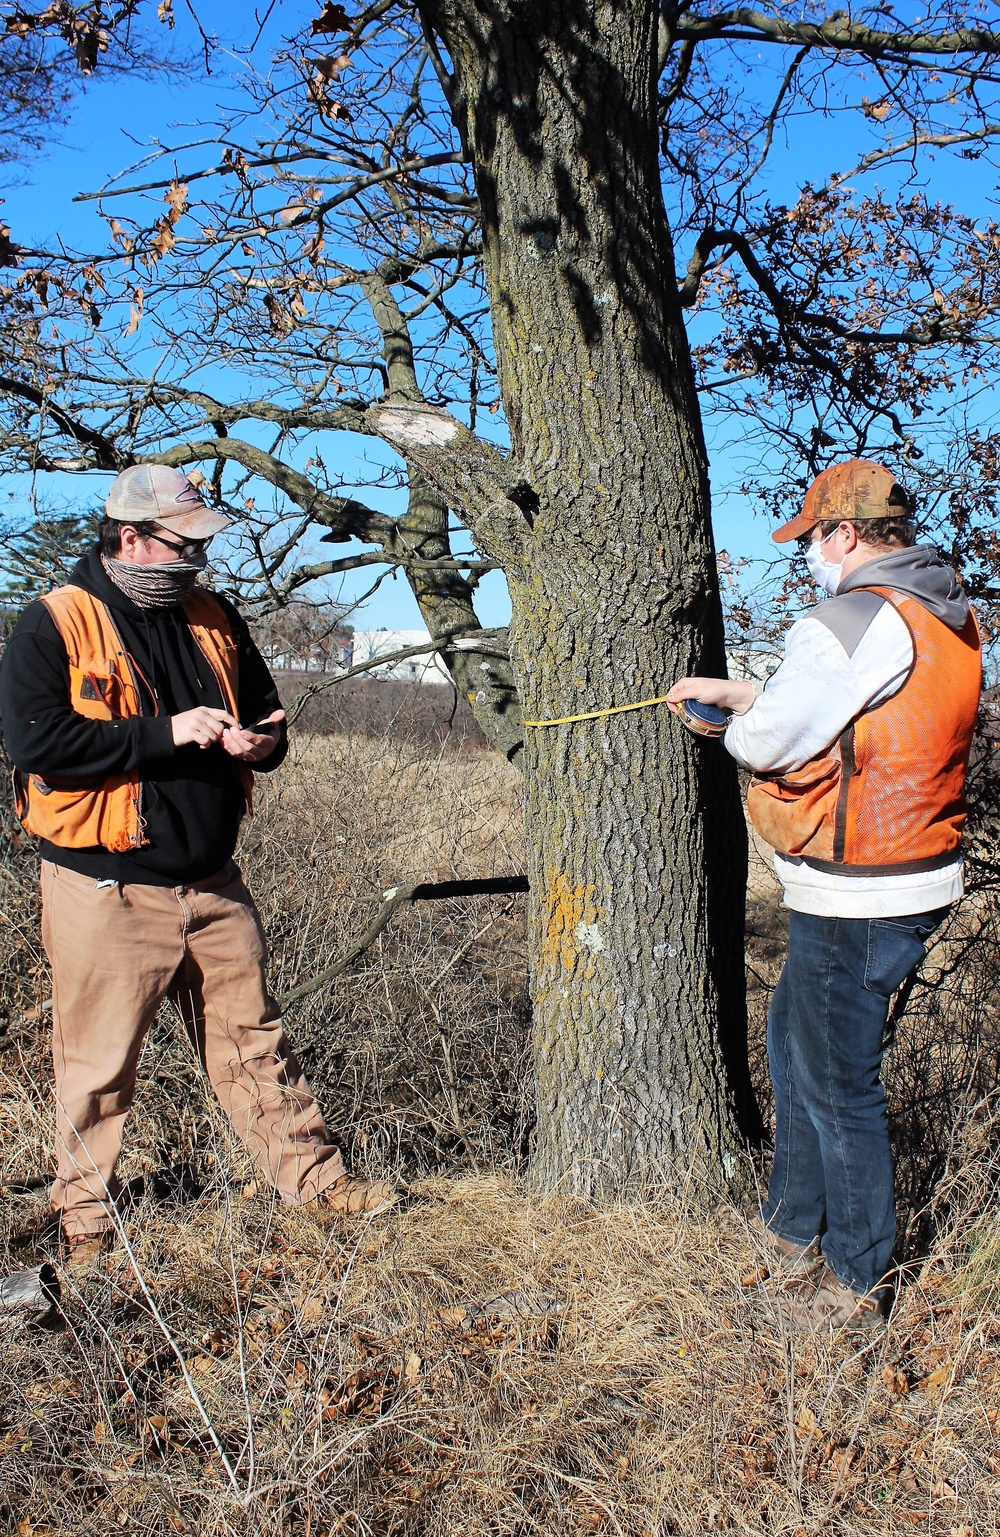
<point x="424" y="715"/>
<point x="418" y="1051"/>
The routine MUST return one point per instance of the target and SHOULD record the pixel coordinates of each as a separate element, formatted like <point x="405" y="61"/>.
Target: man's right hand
<point x="201" y="727"/>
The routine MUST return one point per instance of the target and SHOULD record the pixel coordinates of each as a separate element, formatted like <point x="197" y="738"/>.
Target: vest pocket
<point x="93" y="690"/>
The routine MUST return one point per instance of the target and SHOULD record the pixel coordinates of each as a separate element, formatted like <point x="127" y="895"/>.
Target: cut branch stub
<point x="473" y="477"/>
<point x="29" y="1291"/>
<point x="413" y="427"/>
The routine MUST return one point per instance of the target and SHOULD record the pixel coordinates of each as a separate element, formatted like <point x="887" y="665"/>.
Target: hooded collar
<point x="917" y="572"/>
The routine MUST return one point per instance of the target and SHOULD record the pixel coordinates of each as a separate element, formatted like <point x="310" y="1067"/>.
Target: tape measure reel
<point x="702" y="719"/>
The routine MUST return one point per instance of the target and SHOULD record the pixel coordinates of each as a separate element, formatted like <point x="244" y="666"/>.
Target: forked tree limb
<point x="473" y="477"/>
<point x="395" y="896"/>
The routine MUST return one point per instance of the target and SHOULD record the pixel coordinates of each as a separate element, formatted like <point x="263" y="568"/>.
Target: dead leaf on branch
<point x="165" y="13"/>
<point x="118" y="233"/>
<point x="316" y="91"/>
<point x="164" y="240"/>
<point x="331" y="65"/>
<point x="8" y="251"/>
<point x="314" y="248"/>
<point x="176" y="197"/>
<point x="237" y="164"/>
<point x="135" y="312"/>
<point x="281" y="321"/>
<point x="89" y="45"/>
<point x="332" y="18"/>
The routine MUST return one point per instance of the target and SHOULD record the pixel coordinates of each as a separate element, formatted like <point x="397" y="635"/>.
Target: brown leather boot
<point x="83" y="1252"/>
<point x="353" y="1197"/>
<point x="832" y="1306"/>
<point x="785" y="1260"/>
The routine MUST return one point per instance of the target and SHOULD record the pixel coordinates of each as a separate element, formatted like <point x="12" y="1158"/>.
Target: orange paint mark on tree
<point x="567" y="908"/>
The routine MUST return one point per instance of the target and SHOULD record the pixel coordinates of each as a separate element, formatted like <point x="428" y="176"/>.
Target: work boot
<point x="832" y="1306"/>
<point x="353" y="1197"/>
<point x="83" y="1252"/>
<point x="785" y="1259"/>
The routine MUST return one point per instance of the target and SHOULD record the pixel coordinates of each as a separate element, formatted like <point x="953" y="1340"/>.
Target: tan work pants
<point x="116" y="952"/>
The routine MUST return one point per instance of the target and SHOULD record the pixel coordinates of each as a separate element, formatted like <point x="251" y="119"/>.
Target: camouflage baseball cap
<point x="156" y="493"/>
<point x="850" y="493"/>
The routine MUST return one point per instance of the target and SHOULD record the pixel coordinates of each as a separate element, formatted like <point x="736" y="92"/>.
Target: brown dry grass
<point x="243" y="1370"/>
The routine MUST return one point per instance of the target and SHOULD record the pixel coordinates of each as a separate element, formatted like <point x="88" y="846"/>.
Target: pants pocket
<point x="895" y="947"/>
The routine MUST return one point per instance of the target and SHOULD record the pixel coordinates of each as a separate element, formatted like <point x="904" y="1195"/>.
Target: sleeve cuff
<point x="156" y="737"/>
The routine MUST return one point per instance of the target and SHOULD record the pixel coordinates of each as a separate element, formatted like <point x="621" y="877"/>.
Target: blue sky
<point x="117" y="118"/>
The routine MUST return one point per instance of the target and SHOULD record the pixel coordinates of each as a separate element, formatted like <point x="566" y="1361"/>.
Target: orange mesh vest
<point x="888" y="797"/>
<point x="102" y="685"/>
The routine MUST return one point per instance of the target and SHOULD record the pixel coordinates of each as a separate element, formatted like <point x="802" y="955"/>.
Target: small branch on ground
<point x="395" y="896"/>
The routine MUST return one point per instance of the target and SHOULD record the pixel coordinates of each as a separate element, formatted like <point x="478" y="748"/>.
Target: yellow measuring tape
<point x="618" y="709"/>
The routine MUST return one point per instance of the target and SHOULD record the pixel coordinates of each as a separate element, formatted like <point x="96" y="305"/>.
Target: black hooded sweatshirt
<point x="192" y="799"/>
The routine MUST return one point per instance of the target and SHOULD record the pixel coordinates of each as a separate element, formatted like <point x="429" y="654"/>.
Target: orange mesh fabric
<point x="905" y="799"/>
<point x="891" y="791"/>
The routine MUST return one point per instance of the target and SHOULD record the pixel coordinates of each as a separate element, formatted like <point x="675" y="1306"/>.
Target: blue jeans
<point x="832" y="1174"/>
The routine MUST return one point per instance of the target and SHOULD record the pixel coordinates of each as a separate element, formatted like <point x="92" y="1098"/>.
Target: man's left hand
<point x="254" y="746"/>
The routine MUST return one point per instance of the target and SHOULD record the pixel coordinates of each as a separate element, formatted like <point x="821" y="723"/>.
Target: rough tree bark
<point x="600" y="516"/>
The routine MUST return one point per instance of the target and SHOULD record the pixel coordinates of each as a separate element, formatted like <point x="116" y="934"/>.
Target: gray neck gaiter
<point x="162" y="585"/>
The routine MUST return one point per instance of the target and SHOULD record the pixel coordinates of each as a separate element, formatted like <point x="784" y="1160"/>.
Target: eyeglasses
<point x="805" y="540"/>
<point x="187" y="549"/>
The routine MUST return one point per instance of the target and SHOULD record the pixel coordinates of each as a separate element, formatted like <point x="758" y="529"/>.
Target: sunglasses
<point x="187" y="549"/>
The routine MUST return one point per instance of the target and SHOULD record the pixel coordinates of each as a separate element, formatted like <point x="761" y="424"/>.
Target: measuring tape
<point x="701" y="719"/>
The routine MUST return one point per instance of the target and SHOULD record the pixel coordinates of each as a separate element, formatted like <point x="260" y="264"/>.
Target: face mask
<point x="824" y="573"/>
<point x="156" y="586"/>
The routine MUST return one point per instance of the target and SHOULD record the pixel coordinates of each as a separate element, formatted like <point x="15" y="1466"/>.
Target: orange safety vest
<point x="103" y="686"/>
<point x="888" y="796"/>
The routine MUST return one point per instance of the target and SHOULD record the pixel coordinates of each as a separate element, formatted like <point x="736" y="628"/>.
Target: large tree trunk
<point x="636" y="843"/>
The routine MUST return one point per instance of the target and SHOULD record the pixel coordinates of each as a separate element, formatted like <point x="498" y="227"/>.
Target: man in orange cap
<point x="122" y="696"/>
<point x="859" y="745"/>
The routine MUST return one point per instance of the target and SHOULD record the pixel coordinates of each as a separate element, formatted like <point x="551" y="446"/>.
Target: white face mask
<point x="824" y="573"/>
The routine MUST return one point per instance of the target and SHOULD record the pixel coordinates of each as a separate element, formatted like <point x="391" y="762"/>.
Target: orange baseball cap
<point x="848" y="492"/>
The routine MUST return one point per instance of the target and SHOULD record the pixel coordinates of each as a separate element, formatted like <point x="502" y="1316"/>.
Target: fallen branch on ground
<point x="29" y="1291"/>
<point x="395" y="896"/>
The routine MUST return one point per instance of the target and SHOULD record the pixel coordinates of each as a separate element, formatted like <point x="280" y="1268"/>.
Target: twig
<point x="301" y="700"/>
<point x="395" y="896"/>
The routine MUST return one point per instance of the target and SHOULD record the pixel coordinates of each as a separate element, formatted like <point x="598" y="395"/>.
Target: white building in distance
<point x="371" y="644"/>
